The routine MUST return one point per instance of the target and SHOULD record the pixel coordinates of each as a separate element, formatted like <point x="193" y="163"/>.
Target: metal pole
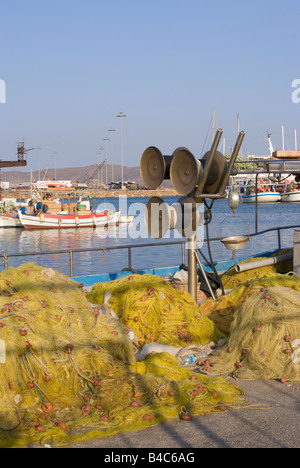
<point x="5" y="257"/>
<point x="106" y="140"/>
<point x="183" y="253"/>
<point x="209" y="163"/>
<point x="121" y="115"/>
<point x="279" y="239"/>
<point x="129" y="258"/>
<point x="71" y="263"/>
<point x="256" y="203"/>
<point x="55" y="153"/>
<point x="112" y="154"/>
<point x="205" y="276"/>
<point x="232" y="161"/>
<point x="39" y="156"/>
<point x="192" y="267"/>
<point x="101" y="149"/>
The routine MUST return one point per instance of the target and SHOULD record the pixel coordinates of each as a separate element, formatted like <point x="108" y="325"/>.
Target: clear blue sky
<point x="70" y="66"/>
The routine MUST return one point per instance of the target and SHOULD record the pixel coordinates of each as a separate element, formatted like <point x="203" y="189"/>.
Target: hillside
<point x="80" y="174"/>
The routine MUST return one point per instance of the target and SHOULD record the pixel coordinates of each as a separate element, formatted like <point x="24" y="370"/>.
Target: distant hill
<point x="79" y="174"/>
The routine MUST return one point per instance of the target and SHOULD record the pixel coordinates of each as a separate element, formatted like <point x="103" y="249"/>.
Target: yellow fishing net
<point x="243" y="285"/>
<point x="231" y="279"/>
<point x="264" y="339"/>
<point x="261" y="316"/>
<point x="181" y="389"/>
<point x="68" y="374"/>
<point x="156" y="311"/>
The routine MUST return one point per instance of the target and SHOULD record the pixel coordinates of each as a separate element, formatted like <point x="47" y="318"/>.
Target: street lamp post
<point x="55" y="154"/>
<point x="106" y="139"/>
<point x="100" y="150"/>
<point x="39" y="156"/>
<point x="112" y="154"/>
<point x="121" y="115"/>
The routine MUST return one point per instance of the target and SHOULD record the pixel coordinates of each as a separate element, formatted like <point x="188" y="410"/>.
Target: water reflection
<point x="19" y="240"/>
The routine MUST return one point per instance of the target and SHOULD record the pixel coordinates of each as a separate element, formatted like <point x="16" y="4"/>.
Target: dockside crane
<point x="20" y="162"/>
<point x="21" y="157"/>
<point x="96" y="171"/>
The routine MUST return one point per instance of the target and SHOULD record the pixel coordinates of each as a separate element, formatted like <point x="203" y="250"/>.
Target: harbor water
<point x="223" y="223"/>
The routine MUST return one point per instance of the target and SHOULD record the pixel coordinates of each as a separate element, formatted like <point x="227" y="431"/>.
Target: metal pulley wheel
<point x="234" y="198"/>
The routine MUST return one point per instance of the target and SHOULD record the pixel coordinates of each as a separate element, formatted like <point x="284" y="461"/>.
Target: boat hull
<point x="290" y="197"/>
<point x="7" y="221"/>
<point x="262" y="198"/>
<point x="67" y="221"/>
<point x="126" y="219"/>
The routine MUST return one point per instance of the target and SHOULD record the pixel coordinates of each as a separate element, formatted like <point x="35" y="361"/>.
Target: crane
<point x="20" y="162"/>
<point x="21" y="154"/>
<point x="96" y="171"/>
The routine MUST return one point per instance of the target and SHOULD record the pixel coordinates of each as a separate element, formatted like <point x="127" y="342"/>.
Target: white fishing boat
<point x="67" y="221"/>
<point x="266" y="193"/>
<point x="10" y="221"/>
<point x="126" y="219"/>
<point x="291" y="194"/>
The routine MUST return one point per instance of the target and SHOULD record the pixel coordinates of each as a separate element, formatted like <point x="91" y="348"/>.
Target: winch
<point x="195" y="180"/>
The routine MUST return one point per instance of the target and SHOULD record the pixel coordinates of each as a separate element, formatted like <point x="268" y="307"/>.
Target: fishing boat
<point x="10" y="220"/>
<point x="266" y="193"/>
<point x="290" y="194"/>
<point x="66" y="221"/>
<point x="126" y="219"/>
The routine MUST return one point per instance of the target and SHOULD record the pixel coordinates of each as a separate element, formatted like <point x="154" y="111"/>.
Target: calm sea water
<point x="223" y="223"/>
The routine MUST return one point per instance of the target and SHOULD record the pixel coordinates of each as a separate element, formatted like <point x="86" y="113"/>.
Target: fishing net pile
<point x="264" y="338"/>
<point x="261" y="316"/>
<point x="243" y="285"/>
<point x="156" y="311"/>
<point x="231" y="279"/>
<point x="68" y="371"/>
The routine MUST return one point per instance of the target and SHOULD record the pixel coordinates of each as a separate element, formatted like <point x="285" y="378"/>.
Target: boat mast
<point x="238" y="129"/>
<point x="271" y="149"/>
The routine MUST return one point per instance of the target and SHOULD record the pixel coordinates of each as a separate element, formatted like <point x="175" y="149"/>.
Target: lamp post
<point x="98" y="175"/>
<point x="100" y="150"/>
<point x="55" y="154"/>
<point x="39" y="157"/>
<point x="121" y="115"/>
<point x="106" y="139"/>
<point x="112" y="154"/>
